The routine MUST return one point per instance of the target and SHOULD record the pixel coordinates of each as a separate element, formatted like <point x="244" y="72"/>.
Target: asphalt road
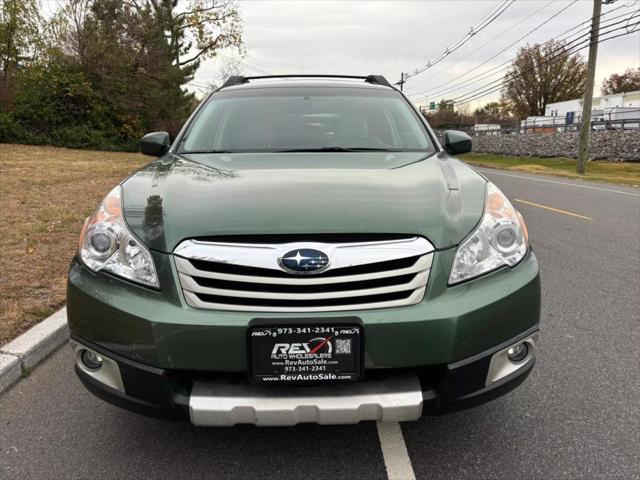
<point x="577" y="416"/>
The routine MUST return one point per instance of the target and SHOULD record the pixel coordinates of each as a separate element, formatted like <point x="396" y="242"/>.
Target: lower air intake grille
<point x="248" y="277"/>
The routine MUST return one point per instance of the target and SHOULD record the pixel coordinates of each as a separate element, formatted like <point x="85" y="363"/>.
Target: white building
<point x="621" y="110"/>
<point x="607" y="102"/>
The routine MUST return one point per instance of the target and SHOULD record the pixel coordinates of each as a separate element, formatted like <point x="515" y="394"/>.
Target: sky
<point x="389" y="37"/>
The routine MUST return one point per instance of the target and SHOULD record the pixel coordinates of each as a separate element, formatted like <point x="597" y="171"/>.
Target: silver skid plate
<point x="220" y="404"/>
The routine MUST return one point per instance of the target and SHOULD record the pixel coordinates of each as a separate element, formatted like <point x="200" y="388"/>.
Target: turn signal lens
<point x="107" y="244"/>
<point x="500" y="239"/>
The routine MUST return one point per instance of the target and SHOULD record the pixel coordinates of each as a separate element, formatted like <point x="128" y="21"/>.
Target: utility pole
<point x="585" y="128"/>
<point x="402" y="81"/>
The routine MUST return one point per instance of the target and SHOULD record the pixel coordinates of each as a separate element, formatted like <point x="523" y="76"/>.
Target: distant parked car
<point x="304" y="251"/>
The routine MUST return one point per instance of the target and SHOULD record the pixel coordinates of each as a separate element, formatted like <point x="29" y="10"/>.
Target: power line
<point x="512" y="44"/>
<point x="562" y="50"/>
<point x="255" y="68"/>
<point x="495" y="13"/>
<point x="498" y="85"/>
<point x="438" y="90"/>
<point x="466" y="98"/>
<point x="506" y="65"/>
<point x="474" y="30"/>
<point x="423" y="80"/>
<point x="586" y="22"/>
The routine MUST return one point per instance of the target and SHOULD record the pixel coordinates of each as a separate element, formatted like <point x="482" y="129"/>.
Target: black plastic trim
<point x="127" y="402"/>
<point x="481" y="396"/>
<point x="323" y="302"/>
<point x="158" y="393"/>
<point x="313" y="288"/>
<point x="373" y="79"/>
<point x="388" y="265"/>
<point x="148" y="389"/>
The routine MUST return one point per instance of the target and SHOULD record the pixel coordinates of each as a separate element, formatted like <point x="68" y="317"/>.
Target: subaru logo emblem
<point x="304" y="260"/>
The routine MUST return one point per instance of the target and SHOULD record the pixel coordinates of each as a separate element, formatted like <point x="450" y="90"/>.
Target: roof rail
<point x="233" y="80"/>
<point x="373" y="79"/>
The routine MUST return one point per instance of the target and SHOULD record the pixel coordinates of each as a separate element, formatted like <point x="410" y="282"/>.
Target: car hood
<point x="188" y="196"/>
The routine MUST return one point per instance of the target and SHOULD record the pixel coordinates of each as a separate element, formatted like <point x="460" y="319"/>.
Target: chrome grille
<point x="247" y="277"/>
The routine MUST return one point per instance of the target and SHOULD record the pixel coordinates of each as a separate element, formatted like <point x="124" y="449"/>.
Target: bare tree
<point x="69" y="31"/>
<point x="543" y="74"/>
<point x="200" y="29"/>
<point x="20" y="29"/>
<point x="229" y="67"/>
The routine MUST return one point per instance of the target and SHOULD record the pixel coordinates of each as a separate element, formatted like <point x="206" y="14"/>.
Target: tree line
<point x="100" y="73"/>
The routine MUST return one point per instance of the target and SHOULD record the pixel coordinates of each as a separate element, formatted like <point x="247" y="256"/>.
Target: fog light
<point x="91" y="360"/>
<point x="518" y="352"/>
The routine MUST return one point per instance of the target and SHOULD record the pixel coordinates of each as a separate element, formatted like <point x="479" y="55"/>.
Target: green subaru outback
<point x="304" y="251"/>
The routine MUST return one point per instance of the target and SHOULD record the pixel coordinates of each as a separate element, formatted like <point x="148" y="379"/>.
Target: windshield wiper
<point x="189" y="152"/>
<point x="335" y="149"/>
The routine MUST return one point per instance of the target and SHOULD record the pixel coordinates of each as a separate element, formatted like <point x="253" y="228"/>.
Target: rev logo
<point x="312" y="347"/>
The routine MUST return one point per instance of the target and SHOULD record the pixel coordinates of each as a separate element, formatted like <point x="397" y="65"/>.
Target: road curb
<point x="25" y="352"/>
<point x="10" y="371"/>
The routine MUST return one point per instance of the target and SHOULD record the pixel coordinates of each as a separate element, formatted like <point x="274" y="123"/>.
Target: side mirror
<point x="155" y="144"/>
<point x="456" y="142"/>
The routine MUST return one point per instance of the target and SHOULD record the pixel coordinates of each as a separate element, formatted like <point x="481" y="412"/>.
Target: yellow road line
<point x="553" y="209"/>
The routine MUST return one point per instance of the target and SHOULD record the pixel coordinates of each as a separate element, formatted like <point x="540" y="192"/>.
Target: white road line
<point x="492" y="171"/>
<point x="394" y="451"/>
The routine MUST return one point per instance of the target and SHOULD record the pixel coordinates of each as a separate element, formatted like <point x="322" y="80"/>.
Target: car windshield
<point x="300" y="119"/>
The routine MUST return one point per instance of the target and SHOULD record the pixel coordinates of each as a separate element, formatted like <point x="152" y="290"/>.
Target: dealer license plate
<point x="305" y="353"/>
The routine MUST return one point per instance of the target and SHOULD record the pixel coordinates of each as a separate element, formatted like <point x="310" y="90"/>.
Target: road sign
<point x="570" y="116"/>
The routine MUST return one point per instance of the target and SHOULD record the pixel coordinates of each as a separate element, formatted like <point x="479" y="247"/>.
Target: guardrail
<point x="546" y="127"/>
<point x="614" y="119"/>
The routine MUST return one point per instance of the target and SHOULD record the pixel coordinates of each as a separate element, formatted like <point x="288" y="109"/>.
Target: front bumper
<point x="218" y="400"/>
<point x="159" y="328"/>
<point x="175" y="361"/>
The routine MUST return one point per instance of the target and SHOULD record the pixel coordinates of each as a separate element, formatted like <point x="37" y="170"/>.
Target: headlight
<point x="500" y="239"/>
<point x="107" y="244"/>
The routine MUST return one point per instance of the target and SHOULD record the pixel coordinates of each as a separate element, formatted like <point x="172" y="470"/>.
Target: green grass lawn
<point x="624" y="173"/>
